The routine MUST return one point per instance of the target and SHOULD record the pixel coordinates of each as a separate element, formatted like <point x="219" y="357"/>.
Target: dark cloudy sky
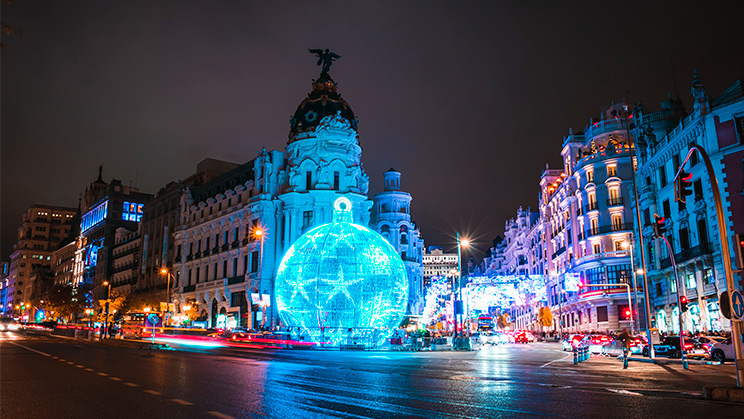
<point x="469" y="100"/>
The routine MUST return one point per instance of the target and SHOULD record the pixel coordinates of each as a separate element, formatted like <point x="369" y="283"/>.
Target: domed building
<point x="342" y="283"/>
<point x="235" y="229"/>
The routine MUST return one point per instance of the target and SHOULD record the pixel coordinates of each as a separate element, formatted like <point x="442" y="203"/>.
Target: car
<point x="722" y="351"/>
<point x="8" y="324"/>
<point x="595" y="343"/>
<point x="523" y="336"/>
<point x="571" y="342"/>
<point x="709" y="341"/>
<point x="670" y="346"/>
<point x="231" y="334"/>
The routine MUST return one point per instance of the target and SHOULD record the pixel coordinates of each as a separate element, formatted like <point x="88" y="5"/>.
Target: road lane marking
<point x="182" y="402"/>
<point x="131" y="385"/>
<point x="556" y="360"/>
<point x="26" y="347"/>
<point x="219" y="415"/>
<point x="103" y="374"/>
<point x="153" y="392"/>
<point x="89" y="369"/>
<point x="626" y="392"/>
<point x="79" y="366"/>
<point x="115" y="378"/>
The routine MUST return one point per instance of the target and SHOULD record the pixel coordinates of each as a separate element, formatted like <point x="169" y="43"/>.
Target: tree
<point x="545" y="317"/>
<point x="115" y="307"/>
<point x="503" y="321"/>
<point x="67" y="301"/>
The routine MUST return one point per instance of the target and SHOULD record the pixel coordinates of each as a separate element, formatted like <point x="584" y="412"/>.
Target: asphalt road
<point x="50" y="377"/>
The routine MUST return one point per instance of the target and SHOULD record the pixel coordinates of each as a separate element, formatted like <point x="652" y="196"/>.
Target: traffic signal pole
<point x="736" y="325"/>
<point x="679" y="301"/>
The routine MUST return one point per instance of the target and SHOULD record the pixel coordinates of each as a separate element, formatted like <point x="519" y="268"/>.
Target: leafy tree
<point x="545" y="317"/>
<point x="67" y="301"/>
<point x="503" y="321"/>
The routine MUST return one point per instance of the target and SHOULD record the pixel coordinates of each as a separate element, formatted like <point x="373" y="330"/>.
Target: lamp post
<point x="258" y="233"/>
<point x="165" y="271"/>
<point x="108" y="302"/>
<point x="458" y="303"/>
<point x="629" y="246"/>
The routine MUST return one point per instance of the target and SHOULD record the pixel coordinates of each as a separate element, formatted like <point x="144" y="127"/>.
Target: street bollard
<point x="685" y="365"/>
<point x="575" y="356"/>
<point x="625" y="359"/>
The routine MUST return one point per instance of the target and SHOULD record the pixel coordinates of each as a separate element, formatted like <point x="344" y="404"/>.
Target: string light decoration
<point x="342" y="283"/>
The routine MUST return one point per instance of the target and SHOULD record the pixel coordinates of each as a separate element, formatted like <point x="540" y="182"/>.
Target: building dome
<point x="342" y="283"/>
<point x="324" y="100"/>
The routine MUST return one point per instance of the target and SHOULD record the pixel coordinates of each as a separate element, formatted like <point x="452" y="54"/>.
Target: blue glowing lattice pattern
<point x="132" y="211"/>
<point x="91" y="218"/>
<point x="342" y="283"/>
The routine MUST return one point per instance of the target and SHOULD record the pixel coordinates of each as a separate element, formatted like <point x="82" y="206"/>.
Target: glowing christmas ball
<point x="342" y="283"/>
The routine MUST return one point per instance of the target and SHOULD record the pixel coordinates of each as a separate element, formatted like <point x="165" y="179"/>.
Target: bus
<point x="485" y="323"/>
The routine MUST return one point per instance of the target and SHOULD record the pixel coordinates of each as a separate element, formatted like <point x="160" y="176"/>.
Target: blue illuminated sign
<point x="132" y="212"/>
<point x="94" y="217"/>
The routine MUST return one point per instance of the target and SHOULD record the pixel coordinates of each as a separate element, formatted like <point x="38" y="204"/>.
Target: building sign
<point x="94" y="217"/>
<point x="132" y="212"/>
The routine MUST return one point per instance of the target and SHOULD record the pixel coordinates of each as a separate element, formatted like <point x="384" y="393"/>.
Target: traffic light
<point x="739" y="247"/>
<point x="682" y="186"/>
<point x="659" y="227"/>
<point x="683" y="303"/>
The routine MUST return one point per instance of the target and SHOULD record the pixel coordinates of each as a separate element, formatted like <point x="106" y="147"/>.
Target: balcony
<point x="225" y="246"/>
<point x="178" y="258"/>
<point x="592" y="206"/>
<point x="206" y="252"/>
<point x="189" y="257"/>
<point x="215" y="250"/>
<point x="610" y="229"/>
<point x="687" y="254"/>
<point x="189" y="288"/>
<point x="245" y="241"/>
<point x="236" y="280"/>
<point x="197" y="255"/>
<point x="612" y="202"/>
<point x="559" y="252"/>
<point x="234" y="244"/>
<point x="580" y="236"/>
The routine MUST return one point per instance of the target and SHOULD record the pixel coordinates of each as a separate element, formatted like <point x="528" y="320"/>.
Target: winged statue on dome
<point x="325" y="58"/>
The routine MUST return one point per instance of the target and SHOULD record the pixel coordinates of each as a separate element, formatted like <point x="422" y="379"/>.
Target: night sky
<point x="468" y="100"/>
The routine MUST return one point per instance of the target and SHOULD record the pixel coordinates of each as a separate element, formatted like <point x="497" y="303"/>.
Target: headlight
<point x="12" y="327"/>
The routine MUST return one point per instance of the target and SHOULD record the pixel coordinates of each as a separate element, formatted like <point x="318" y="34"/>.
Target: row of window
<point x="197" y="275"/>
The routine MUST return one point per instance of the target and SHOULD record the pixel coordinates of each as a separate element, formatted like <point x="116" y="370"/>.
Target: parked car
<point x="670" y="346"/>
<point x="722" y="351"/>
<point x="595" y="343"/>
<point x="571" y="342"/>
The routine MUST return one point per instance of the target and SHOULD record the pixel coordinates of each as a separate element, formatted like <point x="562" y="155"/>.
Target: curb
<point x="724" y="394"/>
<point x="135" y="344"/>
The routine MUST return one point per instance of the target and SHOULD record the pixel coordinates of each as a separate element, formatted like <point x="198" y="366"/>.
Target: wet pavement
<point x="50" y="377"/>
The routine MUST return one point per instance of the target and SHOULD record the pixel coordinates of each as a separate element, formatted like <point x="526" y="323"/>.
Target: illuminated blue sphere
<point x="342" y="283"/>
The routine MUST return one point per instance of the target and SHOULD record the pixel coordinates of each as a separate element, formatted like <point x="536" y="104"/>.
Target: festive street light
<point x="164" y="271"/>
<point x="458" y="302"/>
<point x="259" y="234"/>
<point x="629" y="246"/>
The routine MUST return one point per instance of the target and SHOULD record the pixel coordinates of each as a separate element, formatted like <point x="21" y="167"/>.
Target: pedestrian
<point x="626" y="338"/>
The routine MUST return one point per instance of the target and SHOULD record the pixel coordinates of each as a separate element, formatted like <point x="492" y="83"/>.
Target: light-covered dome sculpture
<point x="342" y="283"/>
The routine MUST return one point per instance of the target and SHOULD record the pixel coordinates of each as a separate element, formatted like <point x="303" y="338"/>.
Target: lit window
<point x="611" y="171"/>
<point x="132" y="212"/>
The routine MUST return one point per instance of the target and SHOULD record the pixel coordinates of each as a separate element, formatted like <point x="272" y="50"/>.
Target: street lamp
<point x="164" y="271"/>
<point x="458" y="303"/>
<point x="108" y="301"/>
<point x="259" y="234"/>
<point x="629" y="246"/>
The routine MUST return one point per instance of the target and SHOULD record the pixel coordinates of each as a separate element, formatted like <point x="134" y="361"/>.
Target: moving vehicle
<point x="8" y="324"/>
<point x="595" y="343"/>
<point x="722" y="351"/>
<point x="708" y="342"/>
<point x="670" y="346"/>
<point x="571" y="342"/>
<point x="523" y="336"/>
<point x="485" y="323"/>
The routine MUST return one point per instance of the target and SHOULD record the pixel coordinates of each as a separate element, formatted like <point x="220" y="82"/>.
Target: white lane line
<point x="115" y="378"/>
<point x="153" y="392"/>
<point x="182" y="402"/>
<point x="103" y="374"/>
<point x="89" y="369"/>
<point x="626" y="392"/>
<point x="131" y="384"/>
<point x="556" y="360"/>
<point x="219" y="415"/>
<point x="79" y="366"/>
<point x="71" y="363"/>
<point x="26" y="347"/>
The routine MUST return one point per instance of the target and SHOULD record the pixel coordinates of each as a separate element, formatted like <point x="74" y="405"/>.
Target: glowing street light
<point x="628" y="245"/>
<point x="164" y="271"/>
<point x="259" y="234"/>
<point x="458" y="303"/>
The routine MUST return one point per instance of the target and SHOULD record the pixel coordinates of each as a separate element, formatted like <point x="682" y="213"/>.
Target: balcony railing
<point x="592" y="206"/>
<point x="206" y="252"/>
<point x="225" y="246"/>
<point x="189" y="257"/>
<point x="189" y="288"/>
<point x="197" y="255"/>
<point x="215" y="249"/>
<point x="234" y="244"/>
<point x="609" y="229"/>
<point x="178" y="258"/>
<point x="236" y="280"/>
<point x="687" y="254"/>
<point x="614" y="202"/>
